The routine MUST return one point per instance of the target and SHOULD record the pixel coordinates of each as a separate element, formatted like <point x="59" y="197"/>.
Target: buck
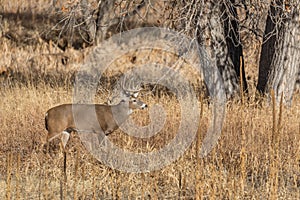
<point x="61" y="120"/>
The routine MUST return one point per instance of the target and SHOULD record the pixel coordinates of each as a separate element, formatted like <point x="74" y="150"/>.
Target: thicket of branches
<point x="269" y="28"/>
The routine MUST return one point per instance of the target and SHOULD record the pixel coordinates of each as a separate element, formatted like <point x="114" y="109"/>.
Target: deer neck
<point x="121" y="112"/>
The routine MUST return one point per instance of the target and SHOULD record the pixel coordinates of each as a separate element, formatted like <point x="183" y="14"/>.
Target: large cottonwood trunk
<point x="110" y="14"/>
<point x="105" y="19"/>
<point x="221" y="38"/>
<point x="297" y="86"/>
<point x="89" y="22"/>
<point x="280" y="55"/>
<point x="233" y="41"/>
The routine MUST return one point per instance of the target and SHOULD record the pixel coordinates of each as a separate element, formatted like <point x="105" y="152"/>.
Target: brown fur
<point x="89" y="118"/>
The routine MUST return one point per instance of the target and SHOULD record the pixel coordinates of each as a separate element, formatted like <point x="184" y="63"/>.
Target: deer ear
<point x="136" y="94"/>
<point x="127" y="94"/>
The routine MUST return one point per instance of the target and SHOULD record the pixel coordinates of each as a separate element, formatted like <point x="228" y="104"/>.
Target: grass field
<point x="265" y="164"/>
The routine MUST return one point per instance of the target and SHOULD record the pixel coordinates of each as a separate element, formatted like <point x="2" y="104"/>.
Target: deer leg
<point x="108" y="132"/>
<point x="102" y="140"/>
<point x="65" y="138"/>
<point x="51" y="136"/>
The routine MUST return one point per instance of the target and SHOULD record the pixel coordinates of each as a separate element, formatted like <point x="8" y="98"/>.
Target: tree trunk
<point x="297" y="86"/>
<point x="90" y="25"/>
<point x="280" y="55"/>
<point x="267" y="51"/>
<point x="109" y="15"/>
<point x="221" y="44"/>
<point x="233" y="41"/>
<point x="105" y="18"/>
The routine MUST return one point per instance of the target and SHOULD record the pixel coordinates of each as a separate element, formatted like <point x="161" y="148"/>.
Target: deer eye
<point x="134" y="100"/>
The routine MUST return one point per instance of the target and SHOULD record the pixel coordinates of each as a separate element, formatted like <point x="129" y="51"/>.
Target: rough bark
<point x="213" y="37"/>
<point x="90" y="25"/>
<point x="233" y="41"/>
<point x="279" y="66"/>
<point x="267" y="51"/>
<point x="109" y="15"/>
<point x="105" y="18"/>
<point x="297" y="86"/>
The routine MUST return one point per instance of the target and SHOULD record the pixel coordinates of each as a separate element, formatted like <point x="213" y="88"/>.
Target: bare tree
<point x="297" y="86"/>
<point x="105" y="18"/>
<point x="220" y="36"/>
<point x="221" y="52"/>
<point x="89" y="22"/>
<point x="233" y="40"/>
<point x="113" y="12"/>
<point x="216" y="25"/>
<point x="280" y="55"/>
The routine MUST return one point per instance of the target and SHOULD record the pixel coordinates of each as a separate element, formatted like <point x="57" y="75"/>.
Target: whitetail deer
<point x="96" y="118"/>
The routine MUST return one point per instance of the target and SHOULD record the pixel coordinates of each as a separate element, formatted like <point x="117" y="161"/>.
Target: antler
<point x="126" y="87"/>
<point x="130" y="85"/>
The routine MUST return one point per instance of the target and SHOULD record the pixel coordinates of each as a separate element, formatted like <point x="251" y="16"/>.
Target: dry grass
<point x="28" y="173"/>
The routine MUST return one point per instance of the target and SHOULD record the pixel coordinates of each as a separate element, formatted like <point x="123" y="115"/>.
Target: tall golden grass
<point x="265" y="164"/>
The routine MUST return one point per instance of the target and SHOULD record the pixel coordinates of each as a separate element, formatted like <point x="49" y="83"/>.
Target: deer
<point x="61" y="120"/>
